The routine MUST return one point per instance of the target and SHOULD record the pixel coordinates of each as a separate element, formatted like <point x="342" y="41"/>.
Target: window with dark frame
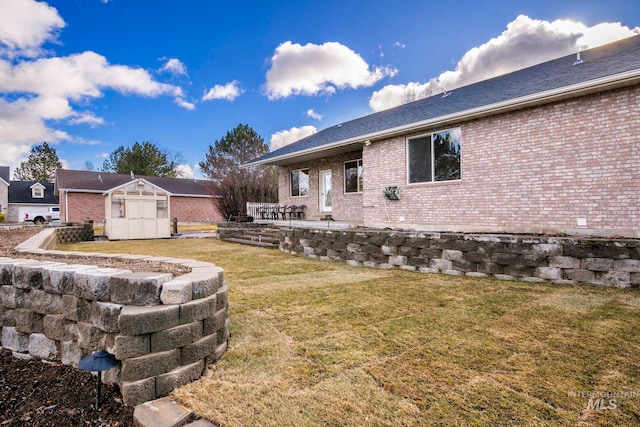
<point x="353" y="182"/>
<point x="434" y="157"/>
<point x="299" y="182"/>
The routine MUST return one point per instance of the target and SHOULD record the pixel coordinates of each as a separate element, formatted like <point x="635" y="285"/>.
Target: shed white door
<point x="141" y="218"/>
<point x="325" y="191"/>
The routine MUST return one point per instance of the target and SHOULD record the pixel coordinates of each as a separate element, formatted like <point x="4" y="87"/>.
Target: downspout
<point x="66" y="206"/>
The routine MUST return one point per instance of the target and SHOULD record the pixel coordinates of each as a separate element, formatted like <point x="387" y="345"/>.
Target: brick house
<point x="99" y="196"/>
<point x="553" y="148"/>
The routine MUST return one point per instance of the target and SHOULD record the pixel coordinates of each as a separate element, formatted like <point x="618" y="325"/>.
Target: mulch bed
<point x="38" y="393"/>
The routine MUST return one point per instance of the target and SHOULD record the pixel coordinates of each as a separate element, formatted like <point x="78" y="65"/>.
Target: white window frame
<point x="433" y="160"/>
<point x="306" y="171"/>
<point x="37" y="192"/>
<point x="360" y="169"/>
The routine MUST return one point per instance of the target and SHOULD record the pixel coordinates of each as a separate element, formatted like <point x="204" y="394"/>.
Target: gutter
<point x="614" y="81"/>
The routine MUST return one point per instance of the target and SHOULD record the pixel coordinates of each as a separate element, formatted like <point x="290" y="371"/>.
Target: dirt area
<point x="37" y="393"/>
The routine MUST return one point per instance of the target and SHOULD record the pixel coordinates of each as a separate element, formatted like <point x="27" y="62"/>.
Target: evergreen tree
<point x="40" y="166"/>
<point x="142" y="159"/>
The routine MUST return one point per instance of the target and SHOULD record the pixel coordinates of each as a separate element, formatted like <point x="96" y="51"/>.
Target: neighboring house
<point x="4" y="188"/>
<point x="30" y="196"/>
<point x="133" y="207"/>
<point x="554" y="148"/>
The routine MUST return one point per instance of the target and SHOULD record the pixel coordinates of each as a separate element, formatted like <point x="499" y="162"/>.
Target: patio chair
<point x="291" y="211"/>
<point x="283" y="211"/>
<point x="299" y="212"/>
<point x="262" y="211"/>
<point x="273" y="212"/>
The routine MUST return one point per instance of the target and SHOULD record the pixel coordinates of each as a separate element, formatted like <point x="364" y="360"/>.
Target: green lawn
<point x="318" y="343"/>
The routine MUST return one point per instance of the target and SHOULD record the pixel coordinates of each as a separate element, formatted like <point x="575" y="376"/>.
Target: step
<point x="260" y="237"/>
<point x="250" y="242"/>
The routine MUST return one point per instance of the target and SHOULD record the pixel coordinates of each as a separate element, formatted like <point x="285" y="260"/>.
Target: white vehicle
<point x="42" y="216"/>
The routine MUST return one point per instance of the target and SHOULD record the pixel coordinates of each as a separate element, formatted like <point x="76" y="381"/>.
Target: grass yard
<point x="319" y="343"/>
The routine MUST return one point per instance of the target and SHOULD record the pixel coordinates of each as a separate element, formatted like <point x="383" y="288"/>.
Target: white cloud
<point x="524" y="43"/>
<point x="174" y="66"/>
<point x="78" y="76"/>
<point x="184" y="103"/>
<point x="184" y="171"/>
<point x="313" y="114"/>
<point x="25" y="25"/>
<point x="393" y="95"/>
<point x="86" y="118"/>
<point x="286" y="137"/>
<point x="318" y="69"/>
<point x="39" y="90"/>
<point x="82" y="141"/>
<point x="230" y="91"/>
<point x="400" y="45"/>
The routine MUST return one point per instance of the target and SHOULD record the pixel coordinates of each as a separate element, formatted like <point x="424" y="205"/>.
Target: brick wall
<point x="347" y="207"/>
<point x="194" y="209"/>
<point x="91" y="205"/>
<point x="81" y="206"/>
<point x="545" y="169"/>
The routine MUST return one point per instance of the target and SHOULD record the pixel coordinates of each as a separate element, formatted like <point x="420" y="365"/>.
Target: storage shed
<point x="137" y="210"/>
<point x="134" y="207"/>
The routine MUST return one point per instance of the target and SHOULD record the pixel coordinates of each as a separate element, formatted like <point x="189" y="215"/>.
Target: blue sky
<point x="90" y="75"/>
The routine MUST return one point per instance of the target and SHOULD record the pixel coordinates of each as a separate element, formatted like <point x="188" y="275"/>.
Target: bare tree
<point x="234" y="185"/>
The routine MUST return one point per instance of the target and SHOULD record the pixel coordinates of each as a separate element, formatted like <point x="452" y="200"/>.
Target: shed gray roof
<point x="99" y="182"/>
<point x="613" y="65"/>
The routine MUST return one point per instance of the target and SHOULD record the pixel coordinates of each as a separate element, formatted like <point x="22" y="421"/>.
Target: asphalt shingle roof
<point x="20" y="192"/>
<point x="101" y="181"/>
<point x="608" y="60"/>
<point x="4" y="174"/>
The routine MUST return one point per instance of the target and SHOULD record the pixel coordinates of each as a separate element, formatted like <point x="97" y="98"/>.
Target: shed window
<point x="434" y="157"/>
<point x="162" y="208"/>
<point x="300" y="182"/>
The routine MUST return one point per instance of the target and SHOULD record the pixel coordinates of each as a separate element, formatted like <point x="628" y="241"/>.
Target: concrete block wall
<point x="607" y="262"/>
<point x="164" y="330"/>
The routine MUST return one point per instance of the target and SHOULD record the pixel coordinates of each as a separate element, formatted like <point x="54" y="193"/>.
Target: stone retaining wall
<point x="164" y="330"/>
<point x="595" y="261"/>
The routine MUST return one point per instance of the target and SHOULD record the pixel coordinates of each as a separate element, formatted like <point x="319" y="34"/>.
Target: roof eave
<point x="572" y="91"/>
<point x="79" y="190"/>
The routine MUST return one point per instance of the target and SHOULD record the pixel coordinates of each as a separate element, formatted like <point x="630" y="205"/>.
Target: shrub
<point x="1" y="216"/>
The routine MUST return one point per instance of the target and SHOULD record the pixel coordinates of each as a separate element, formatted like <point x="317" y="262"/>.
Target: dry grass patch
<point x="322" y="343"/>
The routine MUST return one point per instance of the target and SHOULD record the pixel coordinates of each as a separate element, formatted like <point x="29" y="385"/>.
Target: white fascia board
<point x="572" y="91"/>
<point x="195" y="195"/>
<point x="79" y="190"/>
<point x="135" y="181"/>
